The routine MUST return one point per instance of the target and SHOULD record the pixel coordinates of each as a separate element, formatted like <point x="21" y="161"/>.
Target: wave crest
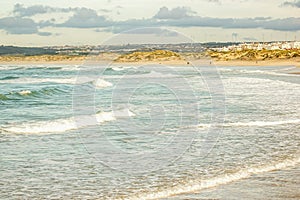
<point x="198" y="185"/>
<point x="63" y="125"/>
<point x="253" y="123"/>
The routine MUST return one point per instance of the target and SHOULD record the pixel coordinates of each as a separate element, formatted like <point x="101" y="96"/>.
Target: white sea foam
<point x="56" y="126"/>
<point x="117" y="68"/>
<point x="198" y="185"/>
<point x="41" y="80"/>
<point x="56" y="67"/>
<point x="268" y="72"/>
<point x="24" y="92"/>
<point x="123" y="113"/>
<point x="240" y="84"/>
<point x="98" y="83"/>
<point x="263" y="123"/>
<point x="122" y="68"/>
<point x="287" y="69"/>
<point x="148" y="75"/>
<point x="156" y="74"/>
<point x="151" y="74"/>
<point x="253" y="123"/>
<point x="63" y="125"/>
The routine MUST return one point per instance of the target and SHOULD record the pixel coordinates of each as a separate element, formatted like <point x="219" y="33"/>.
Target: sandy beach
<point x="232" y="63"/>
<point x="111" y="59"/>
<point x="87" y="62"/>
<point x="273" y="62"/>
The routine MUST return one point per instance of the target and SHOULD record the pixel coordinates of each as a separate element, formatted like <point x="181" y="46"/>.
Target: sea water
<point x="145" y="132"/>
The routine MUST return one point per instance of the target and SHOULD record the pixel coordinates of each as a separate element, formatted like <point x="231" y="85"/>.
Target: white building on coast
<point x="261" y="46"/>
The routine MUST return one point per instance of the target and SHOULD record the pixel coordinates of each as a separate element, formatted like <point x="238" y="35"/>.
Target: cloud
<point x="86" y="18"/>
<point x="176" y="17"/>
<point x="45" y="23"/>
<point x="147" y="30"/>
<point x="213" y="1"/>
<point x="105" y="10"/>
<point x="175" y="13"/>
<point x="22" y="11"/>
<point x="17" y="25"/>
<point x="129" y="25"/>
<point x="286" y="24"/>
<point x="183" y="17"/>
<point x="44" y="33"/>
<point x="293" y="3"/>
<point x="249" y="39"/>
<point x="22" y="24"/>
<point x="262" y="18"/>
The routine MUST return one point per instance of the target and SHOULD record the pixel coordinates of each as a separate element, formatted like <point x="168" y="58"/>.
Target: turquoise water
<point x="148" y="132"/>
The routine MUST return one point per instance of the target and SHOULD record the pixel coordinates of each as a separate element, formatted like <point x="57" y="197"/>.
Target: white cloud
<point x="22" y="11"/>
<point x="175" y="13"/>
<point x="17" y="25"/>
<point x="184" y="17"/>
<point x="86" y="18"/>
<point x="292" y="3"/>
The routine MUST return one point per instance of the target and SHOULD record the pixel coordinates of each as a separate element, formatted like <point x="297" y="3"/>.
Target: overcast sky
<point x="57" y="22"/>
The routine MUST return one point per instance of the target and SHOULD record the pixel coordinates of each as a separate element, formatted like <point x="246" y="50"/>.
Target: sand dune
<point x="232" y="58"/>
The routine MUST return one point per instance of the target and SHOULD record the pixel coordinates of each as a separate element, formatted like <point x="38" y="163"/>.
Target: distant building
<point x="260" y="46"/>
<point x="286" y="45"/>
<point x="275" y="47"/>
<point x="296" y="45"/>
<point x="225" y="49"/>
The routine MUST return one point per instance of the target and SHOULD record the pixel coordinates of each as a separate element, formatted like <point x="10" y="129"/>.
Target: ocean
<point x="149" y="132"/>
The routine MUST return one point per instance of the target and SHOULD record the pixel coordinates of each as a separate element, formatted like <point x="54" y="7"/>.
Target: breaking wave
<point x="31" y="93"/>
<point x="254" y="123"/>
<point x="98" y="83"/>
<point x="63" y="125"/>
<point x="198" y="185"/>
<point x="274" y="73"/>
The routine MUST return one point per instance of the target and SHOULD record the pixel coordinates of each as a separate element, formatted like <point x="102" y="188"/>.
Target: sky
<point x="96" y="22"/>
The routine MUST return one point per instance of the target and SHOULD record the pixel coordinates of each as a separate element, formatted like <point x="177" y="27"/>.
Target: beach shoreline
<point x="273" y="62"/>
<point x="102" y="62"/>
<point x="166" y="63"/>
<point x="109" y="60"/>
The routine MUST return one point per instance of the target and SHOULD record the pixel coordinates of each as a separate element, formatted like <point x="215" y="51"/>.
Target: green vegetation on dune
<point x="255" y="54"/>
<point x="157" y="55"/>
<point x="160" y="56"/>
<point x="46" y="58"/>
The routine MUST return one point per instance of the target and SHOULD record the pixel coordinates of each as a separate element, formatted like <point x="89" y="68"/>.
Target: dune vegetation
<point x="254" y="55"/>
<point x="43" y="58"/>
<point x="160" y="56"/>
<point x="157" y="55"/>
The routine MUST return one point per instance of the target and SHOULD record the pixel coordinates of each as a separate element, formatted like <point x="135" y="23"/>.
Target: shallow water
<point x="147" y="132"/>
